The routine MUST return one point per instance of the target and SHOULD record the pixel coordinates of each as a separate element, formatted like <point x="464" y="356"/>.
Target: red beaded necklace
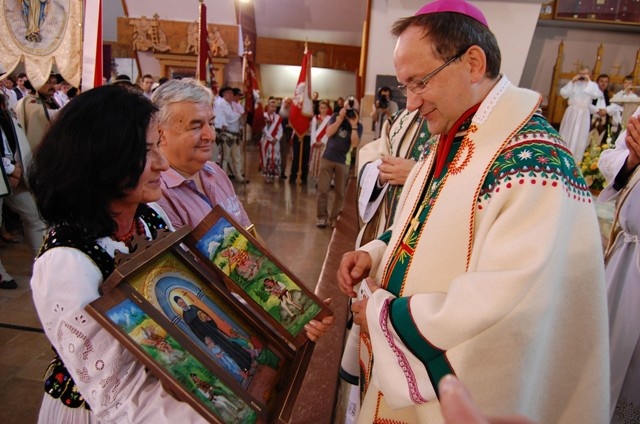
<point x="136" y="228"/>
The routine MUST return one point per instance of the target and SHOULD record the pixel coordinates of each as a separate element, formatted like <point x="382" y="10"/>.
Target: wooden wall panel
<point x="276" y="51"/>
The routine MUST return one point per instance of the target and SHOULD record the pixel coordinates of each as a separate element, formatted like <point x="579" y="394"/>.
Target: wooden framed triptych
<point x="214" y="315"/>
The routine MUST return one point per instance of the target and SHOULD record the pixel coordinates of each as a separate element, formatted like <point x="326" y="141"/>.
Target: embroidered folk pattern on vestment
<point x="534" y="157"/>
<point x="421" y="148"/>
<point x="365" y="365"/>
<point x="410" y="376"/>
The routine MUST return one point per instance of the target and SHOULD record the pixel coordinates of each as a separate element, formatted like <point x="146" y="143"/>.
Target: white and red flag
<point x="302" y="107"/>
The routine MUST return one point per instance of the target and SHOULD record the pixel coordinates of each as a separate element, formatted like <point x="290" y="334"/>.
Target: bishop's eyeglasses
<point x="419" y="86"/>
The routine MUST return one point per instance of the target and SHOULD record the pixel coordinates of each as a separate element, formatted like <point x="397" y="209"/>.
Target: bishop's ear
<point x="477" y="61"/>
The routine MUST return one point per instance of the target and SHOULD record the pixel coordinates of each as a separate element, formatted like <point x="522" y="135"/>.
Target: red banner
<point x="250" y="82"/>
<point x="258" y="121"/>
<point x="302" y="107"/>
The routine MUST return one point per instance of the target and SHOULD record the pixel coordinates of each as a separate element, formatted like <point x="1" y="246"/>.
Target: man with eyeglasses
<point x="493" y="269"/>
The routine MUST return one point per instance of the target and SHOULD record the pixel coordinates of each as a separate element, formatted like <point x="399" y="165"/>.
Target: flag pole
<point x="201" y="63"/>
<point x="302" y="108"/>
<point x="245" y="64"/>
<point x="301" y="137"/>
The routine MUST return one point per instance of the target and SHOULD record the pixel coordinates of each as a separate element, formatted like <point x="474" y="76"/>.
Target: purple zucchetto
<point x="455" y="6"/>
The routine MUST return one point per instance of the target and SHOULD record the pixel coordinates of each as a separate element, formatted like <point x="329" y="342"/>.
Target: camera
<point x="383" y="101"/>
<point x="582" y="78"/>
<point x="351" y="113"/>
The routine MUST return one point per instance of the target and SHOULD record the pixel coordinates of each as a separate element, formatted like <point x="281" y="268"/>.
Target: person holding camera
<point x="576" y="121"/>
<point x="383" y="109"/>
<point x="344" y="131"/>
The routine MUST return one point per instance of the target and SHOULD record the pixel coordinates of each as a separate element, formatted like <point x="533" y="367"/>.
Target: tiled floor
<point x="284" y="215"/>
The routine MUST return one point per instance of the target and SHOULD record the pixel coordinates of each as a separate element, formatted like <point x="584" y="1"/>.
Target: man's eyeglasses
<point x="418" y="86"/>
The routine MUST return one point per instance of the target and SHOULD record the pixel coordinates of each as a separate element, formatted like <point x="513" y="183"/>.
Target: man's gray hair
<point x="178" y="91"/>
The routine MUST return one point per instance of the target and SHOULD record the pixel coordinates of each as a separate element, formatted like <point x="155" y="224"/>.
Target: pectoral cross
<point x="414" y="224"/>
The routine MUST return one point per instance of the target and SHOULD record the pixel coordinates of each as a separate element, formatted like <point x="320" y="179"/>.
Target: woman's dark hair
<point x="452" y="34"/>
<point x="93" y="153"/>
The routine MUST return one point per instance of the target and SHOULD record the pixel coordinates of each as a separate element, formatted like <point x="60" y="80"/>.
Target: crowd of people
<point x="478" y="271"/>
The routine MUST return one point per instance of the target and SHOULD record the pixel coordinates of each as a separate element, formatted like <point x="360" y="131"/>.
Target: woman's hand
<point x="316" y="329"/>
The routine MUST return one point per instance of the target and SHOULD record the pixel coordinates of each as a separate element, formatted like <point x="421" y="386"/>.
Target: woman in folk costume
<point x="113" y="134"/>
<point x="269" y="145"/>
<point x="493" y="268"/>
<point x="574" y="127"/>
<point x="318" y="138"/>
<point x="622" y="270"/>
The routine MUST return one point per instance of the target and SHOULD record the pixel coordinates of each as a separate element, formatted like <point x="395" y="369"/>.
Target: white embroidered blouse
<point x="112" y="381"/>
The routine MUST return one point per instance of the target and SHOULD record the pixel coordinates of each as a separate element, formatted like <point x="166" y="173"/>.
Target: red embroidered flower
<point x="542" y="159"/>
<point x="59" y="377"/>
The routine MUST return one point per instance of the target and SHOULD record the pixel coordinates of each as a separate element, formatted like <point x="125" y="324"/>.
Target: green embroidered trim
<point x="397" y="271"/>
<point x="425" y="142"/>
<point x="433" y="359"/>
<point x="422" y="145"/>
<point x="535" y="156"/>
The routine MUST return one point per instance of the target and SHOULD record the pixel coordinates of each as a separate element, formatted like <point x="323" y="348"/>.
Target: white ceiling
<point x="337" y="22"/>
<point x="323" y="21"/>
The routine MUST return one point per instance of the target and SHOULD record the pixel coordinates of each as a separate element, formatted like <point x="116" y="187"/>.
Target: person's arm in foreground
<point x="458" y="408"/>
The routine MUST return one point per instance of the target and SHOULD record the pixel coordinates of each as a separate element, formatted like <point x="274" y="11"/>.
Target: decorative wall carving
<point x="180" y="36"/>
<point x="217" y="46"/>
<point x="192" y="38"/>
<point x="148" y="35"/>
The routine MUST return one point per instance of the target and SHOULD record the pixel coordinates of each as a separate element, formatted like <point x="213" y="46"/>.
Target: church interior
<point x="543" y="44"/>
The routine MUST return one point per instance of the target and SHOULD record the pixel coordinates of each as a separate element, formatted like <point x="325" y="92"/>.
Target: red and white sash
<point x="320" y="131"/>
<point x="272" y="124"/>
